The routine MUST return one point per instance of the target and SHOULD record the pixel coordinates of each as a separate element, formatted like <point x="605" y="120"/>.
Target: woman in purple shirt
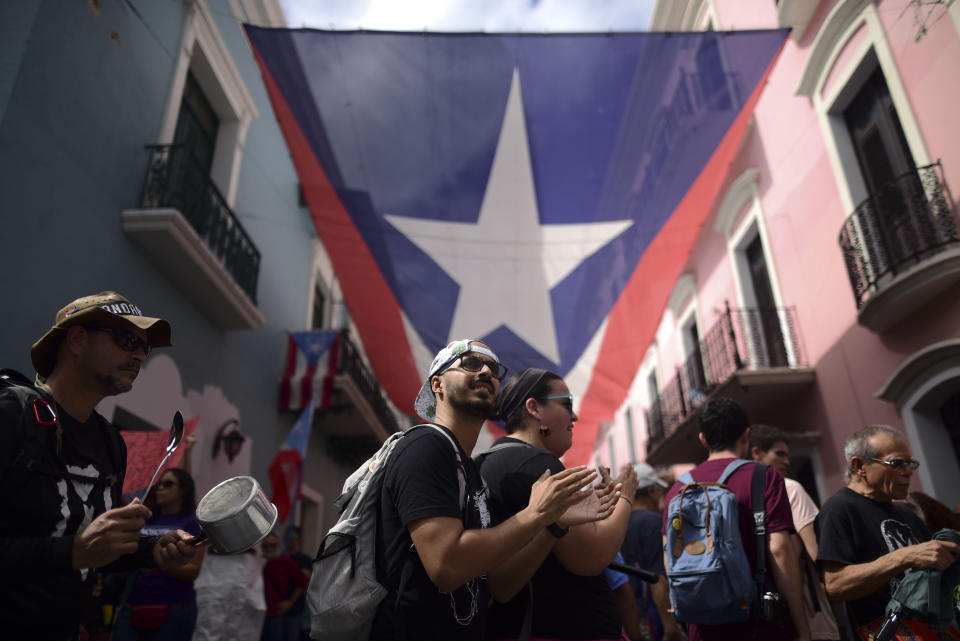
<point x="162" y="606"/>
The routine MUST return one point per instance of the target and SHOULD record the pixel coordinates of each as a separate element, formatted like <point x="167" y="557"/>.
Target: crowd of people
<point x="509" y="544"/>
<point x="512" y="565"/>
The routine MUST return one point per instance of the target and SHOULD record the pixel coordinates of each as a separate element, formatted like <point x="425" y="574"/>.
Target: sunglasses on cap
<point x="124" y="339"/>
<point x="473" y="363"/>
<point x="898" y="463"/>
<point x="568" y="400"/>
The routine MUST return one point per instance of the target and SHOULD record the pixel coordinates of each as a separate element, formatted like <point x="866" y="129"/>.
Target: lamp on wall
<point x="231" y="439"/>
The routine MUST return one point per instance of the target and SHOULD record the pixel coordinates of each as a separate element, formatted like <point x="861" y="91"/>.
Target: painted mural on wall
<point x="144" y="415"/>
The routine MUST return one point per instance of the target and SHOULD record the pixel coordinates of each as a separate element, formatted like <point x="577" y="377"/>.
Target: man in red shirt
<point x="283" y="583"/>
<point x="725" y="432"/>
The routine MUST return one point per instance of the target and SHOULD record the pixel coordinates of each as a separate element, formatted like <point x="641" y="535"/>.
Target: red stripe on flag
<point x="635" y="316"/>
<point x="372" y="304"/>
<point x="283" y="492"/>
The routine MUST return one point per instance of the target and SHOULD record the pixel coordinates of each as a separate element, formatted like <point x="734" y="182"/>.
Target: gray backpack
<point x="344" y="592"/>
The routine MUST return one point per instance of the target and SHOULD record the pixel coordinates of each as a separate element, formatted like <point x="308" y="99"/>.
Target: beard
<point x="459" y="399"/>
<point x="113" y="384"/>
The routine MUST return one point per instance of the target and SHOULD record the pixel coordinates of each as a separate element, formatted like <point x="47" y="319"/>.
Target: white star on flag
<point x="507" y="262"/>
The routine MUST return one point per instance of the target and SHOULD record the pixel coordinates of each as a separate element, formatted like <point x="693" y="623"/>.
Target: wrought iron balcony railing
<point x="176" y="180"/>
<point x="903" y="223"/>
<point x="353" y="366"/>
<point x="753" y="338"/>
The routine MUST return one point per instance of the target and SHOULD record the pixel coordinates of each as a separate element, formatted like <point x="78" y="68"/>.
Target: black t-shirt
<point x="853" y="529"/>
<point x="565" y="605"/>
<point x="424" y="479"/>
<point x="48" y="497"/>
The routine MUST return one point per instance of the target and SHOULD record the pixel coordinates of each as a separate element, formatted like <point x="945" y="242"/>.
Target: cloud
<point x="472" y="15"/>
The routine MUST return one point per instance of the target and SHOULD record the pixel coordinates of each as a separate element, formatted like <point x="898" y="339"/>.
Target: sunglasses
<point x="897" y="463"/>
<point x="568" y="398"/>
<point x="166" y="484"/>
<point x="125" y="339"/>
<point x="471" y="363"/>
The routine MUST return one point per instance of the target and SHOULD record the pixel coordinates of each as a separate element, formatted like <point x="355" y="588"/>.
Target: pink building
<point x="823" y="290"/>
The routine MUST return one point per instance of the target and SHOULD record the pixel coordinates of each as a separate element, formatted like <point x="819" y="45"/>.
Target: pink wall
<point x="803" y="214"/>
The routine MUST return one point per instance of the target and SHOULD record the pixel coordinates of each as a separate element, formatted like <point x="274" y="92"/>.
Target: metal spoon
<point x="176" y="433"/>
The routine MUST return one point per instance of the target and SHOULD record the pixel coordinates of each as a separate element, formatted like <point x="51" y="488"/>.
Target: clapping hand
<point x="552" y="494"/>
<point x="595" y="505"/>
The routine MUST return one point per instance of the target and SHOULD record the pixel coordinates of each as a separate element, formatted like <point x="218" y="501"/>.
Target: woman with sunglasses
<point x="571" y="598"/>
<point x="163" y="606"/>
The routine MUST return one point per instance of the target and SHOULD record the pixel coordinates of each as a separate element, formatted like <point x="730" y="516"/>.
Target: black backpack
<point x="40" y="435"/>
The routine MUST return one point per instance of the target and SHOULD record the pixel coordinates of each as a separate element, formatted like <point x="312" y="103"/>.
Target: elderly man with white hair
<point x="867" y="541"/>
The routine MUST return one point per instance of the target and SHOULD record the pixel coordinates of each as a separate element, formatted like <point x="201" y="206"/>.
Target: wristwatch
<point x="557" y="531"/>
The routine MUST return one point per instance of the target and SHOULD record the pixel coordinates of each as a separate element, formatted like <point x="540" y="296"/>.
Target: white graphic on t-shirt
<point x="896" y="535"/>
<point x="479" y="500"/>
<point x="82" y="491"/>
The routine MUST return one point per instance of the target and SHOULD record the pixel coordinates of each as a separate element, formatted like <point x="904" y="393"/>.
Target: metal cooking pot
<point x="236" y="515"/>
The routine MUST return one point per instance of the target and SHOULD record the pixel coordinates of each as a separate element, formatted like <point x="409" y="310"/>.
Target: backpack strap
<point x="526" y="628"/>
<point x="758" y="505"/>
<point x="407" y="570"/>
<point x="732" y="467"/>
<point x="499" y="448"/>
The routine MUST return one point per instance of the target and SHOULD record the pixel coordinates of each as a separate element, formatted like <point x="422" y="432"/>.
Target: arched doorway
<point x="926" y="390"/>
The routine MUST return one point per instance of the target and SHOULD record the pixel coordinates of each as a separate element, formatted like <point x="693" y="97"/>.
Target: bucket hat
<point x="107" y="308"/>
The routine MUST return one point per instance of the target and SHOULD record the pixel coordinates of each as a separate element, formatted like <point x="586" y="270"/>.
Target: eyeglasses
<point x="898" y="463"/>
<point x="166" y="484"/>
<point x="471" y="363"/>
<point x="125" y="339"/>
<point x="568" y="397"/>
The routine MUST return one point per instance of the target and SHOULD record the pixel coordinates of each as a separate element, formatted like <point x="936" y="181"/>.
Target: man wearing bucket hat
<point x="433" y="507"/>
<point x="62" y="466"/>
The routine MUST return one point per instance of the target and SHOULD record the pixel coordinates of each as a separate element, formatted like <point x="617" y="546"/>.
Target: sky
<point x="471" y="15"/>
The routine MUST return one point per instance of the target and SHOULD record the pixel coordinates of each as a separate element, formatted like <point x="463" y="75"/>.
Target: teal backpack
<point x="707" y="568"/>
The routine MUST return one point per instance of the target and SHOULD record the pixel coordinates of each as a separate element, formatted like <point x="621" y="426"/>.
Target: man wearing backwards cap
<point x="454" y="546"/>
<point x="62" y="466"/>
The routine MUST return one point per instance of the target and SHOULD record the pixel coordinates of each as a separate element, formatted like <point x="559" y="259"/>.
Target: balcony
<point x="901" y="247"/>
<point x="753" y="355"/>
<point x="358" y="419"/>
<point x="187" y="228"/>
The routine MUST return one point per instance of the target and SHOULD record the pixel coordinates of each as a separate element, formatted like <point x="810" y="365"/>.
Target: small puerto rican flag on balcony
<point x="312" y="360"/>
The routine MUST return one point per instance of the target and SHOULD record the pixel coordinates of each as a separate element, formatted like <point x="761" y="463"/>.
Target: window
<point x="209" y="107"/>
<point x="319" y="308"/>
<point x="766" y="327"/>
<point x="878" y="140"/>
<point x="613" y="455"/>
<point x="950" y="414"/>
<point x="631" y="441"/>
<point x="655" y="427"/>
<point x="693" y="366"/>
<point x="852" y="79"/>
<point x="766" y="318"/>
<point x="197" y="124"/>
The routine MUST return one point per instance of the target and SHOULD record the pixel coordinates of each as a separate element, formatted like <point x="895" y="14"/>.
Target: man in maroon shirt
<point x="283" y="583"/>
<point x="725" y="432"/>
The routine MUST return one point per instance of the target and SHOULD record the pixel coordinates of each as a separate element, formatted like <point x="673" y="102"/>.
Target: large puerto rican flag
<point x="539" y="192"/>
